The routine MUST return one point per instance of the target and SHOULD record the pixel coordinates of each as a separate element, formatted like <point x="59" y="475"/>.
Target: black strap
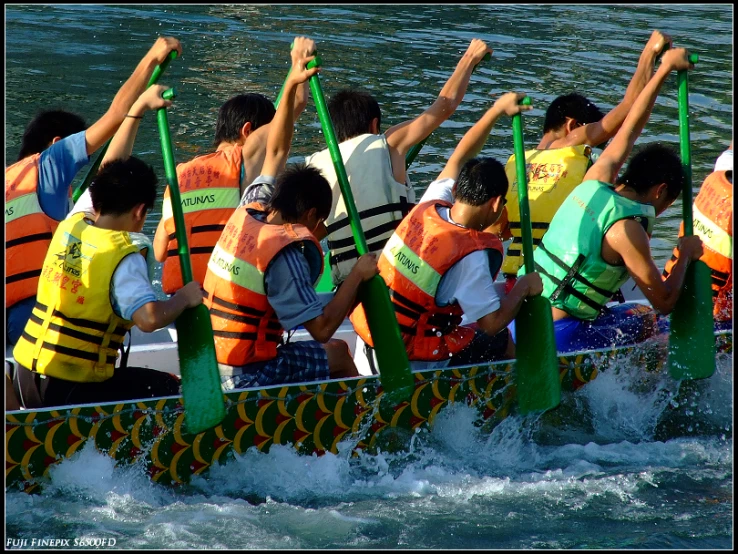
<point x="403" y="206"/>
<point x="369" y="352"/>
<point x="28" y="238"/>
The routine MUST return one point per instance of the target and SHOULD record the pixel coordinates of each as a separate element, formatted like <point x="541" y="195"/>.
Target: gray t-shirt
<point x="288" y="283"/>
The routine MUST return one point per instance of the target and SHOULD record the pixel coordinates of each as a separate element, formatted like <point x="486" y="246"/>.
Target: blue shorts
<point x="296" y="362"/>
<point x="16" y="318"/>
<point x="619" y="325"/>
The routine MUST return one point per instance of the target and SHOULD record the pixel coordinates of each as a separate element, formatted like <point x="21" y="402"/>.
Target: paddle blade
<point x="394" y="368"/>
<point x="201" y="391"/>
<point x="537" y="364"/>
<point x="692" y="335"/>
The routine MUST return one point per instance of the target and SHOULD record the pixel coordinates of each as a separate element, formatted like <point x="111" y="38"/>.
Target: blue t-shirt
<point x="289" y="286"/>
<point x="58" y="166"/>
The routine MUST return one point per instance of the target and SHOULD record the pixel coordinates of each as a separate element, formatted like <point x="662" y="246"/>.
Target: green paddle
<point x="198" y="365"/>
<point x="325" y="284"/>
<point x="413" y="152"/>
<point x="158" y="70"/>
<point x="692" y="338"/>
<point x="537" y="364"/>
<point x="395" y="376"/>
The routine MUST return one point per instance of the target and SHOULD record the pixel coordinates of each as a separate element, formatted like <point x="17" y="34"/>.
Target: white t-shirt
<point x="725" y="161"/>
<point x="131" y="287"/>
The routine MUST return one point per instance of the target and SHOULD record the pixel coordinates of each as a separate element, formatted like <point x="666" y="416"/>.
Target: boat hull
<point x="313" y="417"/>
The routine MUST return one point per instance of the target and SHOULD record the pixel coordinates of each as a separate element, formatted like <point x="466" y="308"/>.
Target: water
<point x="610" y="484"/>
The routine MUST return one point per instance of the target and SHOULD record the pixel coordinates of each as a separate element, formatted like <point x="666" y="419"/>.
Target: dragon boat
<point x="312" y="417"/>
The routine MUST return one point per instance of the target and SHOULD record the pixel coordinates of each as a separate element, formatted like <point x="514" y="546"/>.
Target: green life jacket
<point x="569" y="258"/>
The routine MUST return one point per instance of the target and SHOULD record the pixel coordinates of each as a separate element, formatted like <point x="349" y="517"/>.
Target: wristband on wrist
<point x="134" y="116"/>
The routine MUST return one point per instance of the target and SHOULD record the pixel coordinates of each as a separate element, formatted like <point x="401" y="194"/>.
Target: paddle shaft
<point x="158" y="70"/>
<point x="684" y="145"/>
<point x="413" y="152"/>
<point x="330" y="138"/>
<point x="395" y="375"/>
<point x="525" y="226"/>
<point x="170" y="171"/>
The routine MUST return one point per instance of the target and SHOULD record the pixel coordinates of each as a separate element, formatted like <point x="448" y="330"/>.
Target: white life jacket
<point x="381" y="202"/>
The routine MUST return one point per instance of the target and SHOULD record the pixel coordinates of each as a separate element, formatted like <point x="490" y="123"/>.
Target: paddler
<point x="95" y="285"/>
<point x="601" y="234"/>
<point x="375" y="162"/>
<point x="572" y="126"/>
<point x="440" y="265"/>
<point x="212" y="184"/>
<point x="56" y="145"/>
<point x="260" y="278"/>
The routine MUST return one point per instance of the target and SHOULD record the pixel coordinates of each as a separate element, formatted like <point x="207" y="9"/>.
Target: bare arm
<point x="603" y="130"/>
<point x="122" y="144"/>
<point x="155" y="315"/>
<point x="254" y="149"/>
<point x="104" y="128"/>
<point x="608" y="165"/>
<point x="528" y="285"/>
<point x="281" y="129"/>
<point x="401" y="138"/>
<point x="628" y="240"/>
<point x="161" y="242"/>
<point x="323" y="327"/>
<point x="473" y="141"/>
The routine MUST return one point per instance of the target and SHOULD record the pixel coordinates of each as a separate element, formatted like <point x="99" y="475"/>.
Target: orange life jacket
<point x="245" y="327"/>
<point x="713" y="223"/>
<point x="28" y="230"/>
<point x="422" y="249"/>
<point x="209" y="188"/>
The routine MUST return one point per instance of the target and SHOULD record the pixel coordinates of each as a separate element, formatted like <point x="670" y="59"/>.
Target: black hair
<point x="236" y="112"/>
<point x="45" y="126"/>
<point x="121" y="185"/>
<point x="298" y="189"/>
<point x="480" y="180"/>
<point x="352" y="112"/>
<point x="571" y="105"/>
<point x="654" y="164"/>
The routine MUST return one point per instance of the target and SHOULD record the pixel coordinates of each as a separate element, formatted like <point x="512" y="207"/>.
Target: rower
<point x="601" y="233"/>
<point x="212" y="184"/>
<point x="55" y="147"/>
<point x="440" y="265"/>
<point x="261" y="275"/>
<point x="95" y="285"/>
<point x="375" y="163"/>
<point x="572" y="126"/>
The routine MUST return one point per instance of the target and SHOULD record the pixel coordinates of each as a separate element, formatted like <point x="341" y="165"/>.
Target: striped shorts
<point x="296" y="362"/>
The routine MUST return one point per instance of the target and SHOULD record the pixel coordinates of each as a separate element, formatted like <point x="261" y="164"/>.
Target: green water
<point x="618" y="488"/>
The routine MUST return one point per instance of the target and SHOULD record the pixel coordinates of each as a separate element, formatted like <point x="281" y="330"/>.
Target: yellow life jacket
<point x="73" y="332"/>
<point x="381" y="202"/>
<point x="552" y="175"/>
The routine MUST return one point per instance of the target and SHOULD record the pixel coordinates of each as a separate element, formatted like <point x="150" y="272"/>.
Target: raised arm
<point x="603" y="130"/>
<point x="122" y="144"/>
<point x="608" y="165"/>
<point x="255" y="146"/>
<point x="99" y="132"/>
<point x="472" y="142"/>
<point x="401" y="138"/>
<point x="281" y="129"/>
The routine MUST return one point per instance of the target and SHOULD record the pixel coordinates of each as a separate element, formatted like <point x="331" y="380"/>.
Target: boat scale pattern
<point x="313" y="418"/>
